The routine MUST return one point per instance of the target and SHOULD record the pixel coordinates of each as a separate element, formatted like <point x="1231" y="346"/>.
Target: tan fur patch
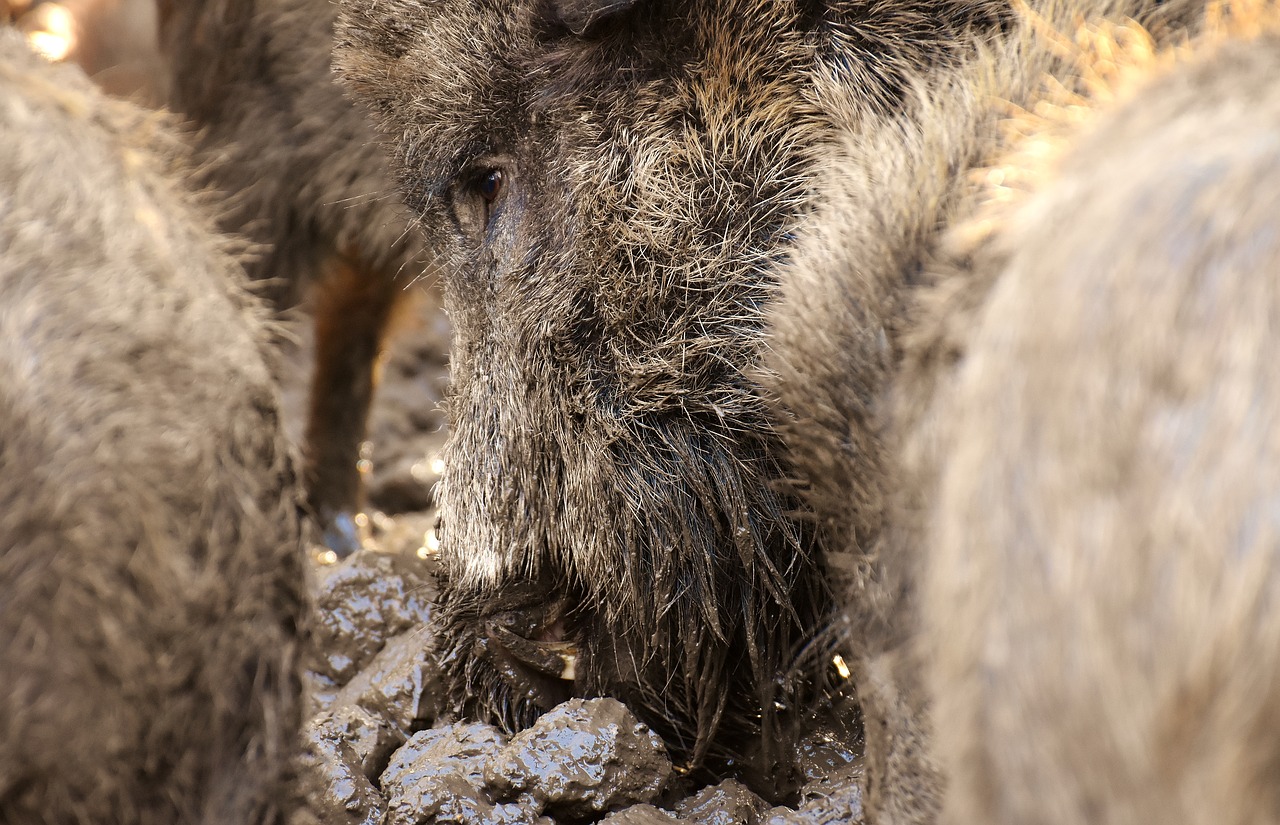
<point x="1114" y="61"/>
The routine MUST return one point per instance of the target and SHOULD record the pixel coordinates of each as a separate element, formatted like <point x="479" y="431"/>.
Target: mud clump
<point x="840" y="803"/>
<point x="640" y="815"/>
<point x="151" y="571"/>
<point x="438" y="776"/>
<point x="728" y="803"/>
<point x="369" y="754"/>
<point x="588" y="758"/>
<point x="362" y="603"/>
<point x="400" y="685"/>
<point x="367" y="739"/>
<point x="343" y="753"/>
<point x="583" y="757"/>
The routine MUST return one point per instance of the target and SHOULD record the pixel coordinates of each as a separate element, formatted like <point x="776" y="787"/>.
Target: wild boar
<point x="854" y="359"/>
<point x="150" y="553"/>
<point x="1099" y="578"/>
<point x="614" y="186"/>
<point x="309" y="185"/>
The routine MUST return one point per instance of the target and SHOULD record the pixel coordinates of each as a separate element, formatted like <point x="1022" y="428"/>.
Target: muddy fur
<point x="1101" y="587"/>
<point x="151" y="572"/>
<point x="610" y="443"/>
<point x="890" y="188"/>
<point x="309" y="184"/>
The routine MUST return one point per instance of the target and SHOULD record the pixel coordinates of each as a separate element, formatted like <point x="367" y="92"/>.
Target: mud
<point x="362" y="604"/>
<point x="344" y="752"/>
<point x="438" y="776"/>
<point x="729" y="803"/>
<point x="584" y="757"/>
<point x="378" y="750"/>
<point x="843" y="805"/>
<point x="640" y="815"/>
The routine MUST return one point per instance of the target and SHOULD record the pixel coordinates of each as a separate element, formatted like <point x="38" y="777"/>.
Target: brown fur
<point x="890" y="188"/>
<point x="1100" y="589"/>
<point x="309" y="185"/>
<point x="611" y="446"/>
<point x="150" y="571"/>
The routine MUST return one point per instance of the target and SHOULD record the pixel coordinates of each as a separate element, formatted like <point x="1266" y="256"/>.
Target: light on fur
<point x="55" y="34"/>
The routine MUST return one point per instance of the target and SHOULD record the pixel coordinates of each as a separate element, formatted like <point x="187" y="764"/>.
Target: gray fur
<point x="308" y="177"/>
<point x="151" y="570"/>
<point x="580" y="15"/>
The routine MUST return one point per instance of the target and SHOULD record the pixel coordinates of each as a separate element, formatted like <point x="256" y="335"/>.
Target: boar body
<point x="865" y="327"/>
<point x="150" y="558"/>
<point x="1100" y="575"/>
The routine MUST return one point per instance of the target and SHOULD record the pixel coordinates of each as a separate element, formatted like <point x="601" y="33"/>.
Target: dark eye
<point x="479" y="196"/>
<point x="491" y="184"/>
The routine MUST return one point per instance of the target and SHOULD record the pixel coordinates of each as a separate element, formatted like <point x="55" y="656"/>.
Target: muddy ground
<point x="379" y="748"/>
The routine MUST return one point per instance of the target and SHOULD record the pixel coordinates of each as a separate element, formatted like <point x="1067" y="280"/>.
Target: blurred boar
<point x="1101" y="591"/>
<point x="150" y="558"/>
<point x="889" y="189"/>
<point x="615" y="185"/>
<point x="308" y="183"/>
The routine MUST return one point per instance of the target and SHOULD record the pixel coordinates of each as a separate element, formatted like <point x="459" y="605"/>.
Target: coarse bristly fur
<point x="1100" y="586"/>
<point x="309" y="184"/>
<point x="611" y="445"/>
<point x="150" y="558"/>
<point x="847" y="315"/>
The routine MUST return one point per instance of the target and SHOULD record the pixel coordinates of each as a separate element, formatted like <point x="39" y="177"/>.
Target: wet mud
<point x="381" y="749"/>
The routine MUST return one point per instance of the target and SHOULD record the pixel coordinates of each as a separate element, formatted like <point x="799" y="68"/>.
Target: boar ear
<point x="580" y="15"/>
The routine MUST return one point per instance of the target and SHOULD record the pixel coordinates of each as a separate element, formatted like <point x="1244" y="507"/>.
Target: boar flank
<point x="150" y="559"/>
<point x="856" y="354"/>
<point x="1101" y="588"/>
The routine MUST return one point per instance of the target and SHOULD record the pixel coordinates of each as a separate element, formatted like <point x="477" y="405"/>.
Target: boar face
<point x="614" y="187"/>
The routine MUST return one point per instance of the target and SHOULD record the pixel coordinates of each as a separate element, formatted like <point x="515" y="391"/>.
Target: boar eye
<point x="478" y="196"/>
<point x="490" y="185"/>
